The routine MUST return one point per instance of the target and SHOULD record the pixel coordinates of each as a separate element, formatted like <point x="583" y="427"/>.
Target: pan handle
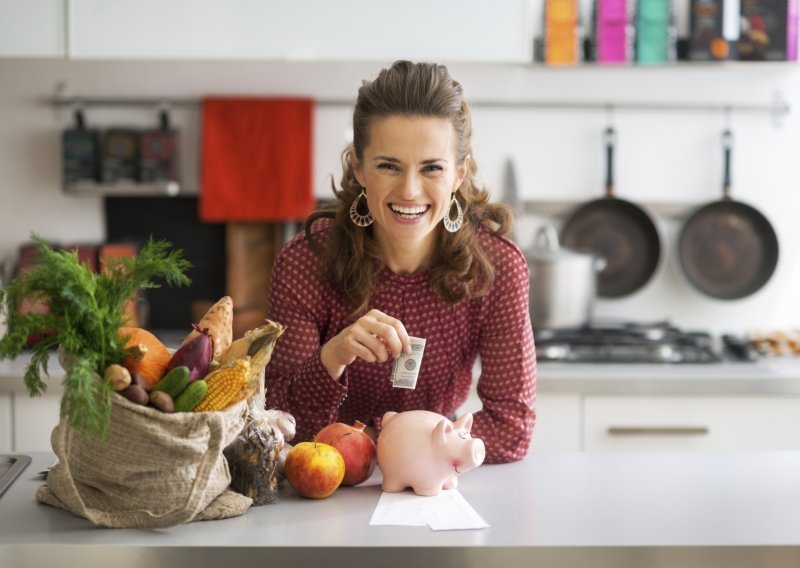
<point x="727" y="146"/>
<point x="609" y="139"/>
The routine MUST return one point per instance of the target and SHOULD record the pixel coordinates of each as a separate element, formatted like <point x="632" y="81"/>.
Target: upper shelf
<point x="87" y="189"/>
<point x="473" y="31"/>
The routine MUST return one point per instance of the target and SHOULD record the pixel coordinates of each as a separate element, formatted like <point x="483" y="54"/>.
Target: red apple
<point x="315" y="470"/>
<point x="356" y="447"/>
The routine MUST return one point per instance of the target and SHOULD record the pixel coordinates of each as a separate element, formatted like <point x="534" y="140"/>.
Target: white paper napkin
<point x="446" y="511"/>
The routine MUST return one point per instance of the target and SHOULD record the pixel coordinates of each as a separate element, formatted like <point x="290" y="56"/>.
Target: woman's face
<point x="410" y="172"/>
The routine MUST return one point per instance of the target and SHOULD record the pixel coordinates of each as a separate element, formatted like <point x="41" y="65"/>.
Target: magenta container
<point x="791" y="30"/>
<point x="613" y="27"/>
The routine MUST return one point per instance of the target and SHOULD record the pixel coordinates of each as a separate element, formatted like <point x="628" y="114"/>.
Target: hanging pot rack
<point x="778" y="108"/>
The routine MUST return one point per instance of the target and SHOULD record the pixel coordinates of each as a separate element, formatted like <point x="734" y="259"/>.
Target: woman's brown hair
<point x="460" y="268"/>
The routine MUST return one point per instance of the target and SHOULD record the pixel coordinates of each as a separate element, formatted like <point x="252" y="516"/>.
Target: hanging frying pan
<point x="728" y="249"/>
<point x="622" y="233"/>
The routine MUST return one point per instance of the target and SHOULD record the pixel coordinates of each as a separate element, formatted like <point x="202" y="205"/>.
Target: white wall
<point x="661" y="156"/>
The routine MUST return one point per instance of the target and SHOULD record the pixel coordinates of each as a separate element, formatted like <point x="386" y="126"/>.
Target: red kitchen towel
<point x="256" y="159"/>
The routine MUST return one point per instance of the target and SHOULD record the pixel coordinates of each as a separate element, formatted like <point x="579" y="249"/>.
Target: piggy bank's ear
<point x="464" y="423"/>
<point x="386" y="417"/>
<point x="443" y="428"/>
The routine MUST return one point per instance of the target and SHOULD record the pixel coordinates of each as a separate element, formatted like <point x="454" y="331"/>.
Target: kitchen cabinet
<point x="5" y="423"/>
<point x="564" y="422"/>
<point x="347" y="30"/>
<point x="695" y="407"/>
<point x="691" y="423"/>
<point x="558" y="420"/>
<point x="558" y="423"/>
<point x="33" y="28"/>
<point x="26" y="423"/>
<point x="34" y="420"/>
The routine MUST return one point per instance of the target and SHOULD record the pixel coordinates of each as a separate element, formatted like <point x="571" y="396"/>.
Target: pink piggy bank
<point x="426" y="451"/>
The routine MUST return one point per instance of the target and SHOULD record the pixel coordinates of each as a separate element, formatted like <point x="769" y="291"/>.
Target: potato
<point x="163" y="401"/>
<point x="135" y="394"/>
<point x="118" y="377"/>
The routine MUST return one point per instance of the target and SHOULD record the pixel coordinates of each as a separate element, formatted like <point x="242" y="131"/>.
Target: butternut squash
<point x="147" y="356"/>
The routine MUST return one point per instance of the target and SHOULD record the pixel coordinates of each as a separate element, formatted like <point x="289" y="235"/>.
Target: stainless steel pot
<point x="563" y="282"/>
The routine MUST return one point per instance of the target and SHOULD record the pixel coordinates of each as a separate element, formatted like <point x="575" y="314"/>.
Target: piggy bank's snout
<point x="478" y="452"/>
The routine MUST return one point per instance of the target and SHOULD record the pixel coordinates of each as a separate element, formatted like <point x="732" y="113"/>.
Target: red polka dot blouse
<point x="496" y="328"/>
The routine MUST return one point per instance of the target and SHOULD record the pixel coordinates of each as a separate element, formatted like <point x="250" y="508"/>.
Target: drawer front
<point x="558" y="418"/>
<point x="709" y="423"/>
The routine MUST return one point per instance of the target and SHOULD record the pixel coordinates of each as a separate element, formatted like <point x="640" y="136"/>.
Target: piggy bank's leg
<point x="392" y="485"/>
<point x="450" y="483"/>
<point x="428" y="490"/>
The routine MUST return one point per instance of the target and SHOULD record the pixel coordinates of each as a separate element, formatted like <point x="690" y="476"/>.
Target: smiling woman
<point x="412" y="248"/>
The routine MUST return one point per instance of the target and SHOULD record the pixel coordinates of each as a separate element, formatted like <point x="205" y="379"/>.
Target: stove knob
<point x="666" y="353"/>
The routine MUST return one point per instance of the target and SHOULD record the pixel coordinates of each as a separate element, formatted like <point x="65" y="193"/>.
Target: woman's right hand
<point x="373" y="337"/>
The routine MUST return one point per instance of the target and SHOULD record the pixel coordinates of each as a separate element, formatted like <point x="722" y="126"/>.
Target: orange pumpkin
<point x="147" y="357"/>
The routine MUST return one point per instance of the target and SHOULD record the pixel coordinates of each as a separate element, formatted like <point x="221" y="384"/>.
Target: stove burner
<point x="626" y="342"/>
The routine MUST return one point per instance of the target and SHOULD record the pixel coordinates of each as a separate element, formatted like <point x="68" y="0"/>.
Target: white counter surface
<point x="767" y="376"/>
<point x="572" y="508"/>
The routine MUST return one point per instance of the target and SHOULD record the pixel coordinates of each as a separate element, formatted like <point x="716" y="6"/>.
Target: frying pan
<point x="728" y="249"/>
<point x="619" y="231"/>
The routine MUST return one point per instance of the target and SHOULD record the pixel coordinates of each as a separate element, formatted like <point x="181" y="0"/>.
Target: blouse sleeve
<point x="507" y="385"/>
<point x="296" y="381"/>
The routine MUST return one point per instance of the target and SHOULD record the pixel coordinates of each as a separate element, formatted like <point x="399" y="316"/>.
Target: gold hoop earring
<point x="357" y="218"/>
<point x="453" y="225"/>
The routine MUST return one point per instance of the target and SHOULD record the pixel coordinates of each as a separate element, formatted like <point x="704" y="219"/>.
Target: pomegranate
<point x="356" y="447"/>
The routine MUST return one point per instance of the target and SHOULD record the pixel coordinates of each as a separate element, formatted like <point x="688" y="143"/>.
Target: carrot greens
<point x="85" y="315"/>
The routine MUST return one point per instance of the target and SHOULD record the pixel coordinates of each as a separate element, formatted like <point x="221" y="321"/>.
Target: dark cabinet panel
<point x="174" y="219"/>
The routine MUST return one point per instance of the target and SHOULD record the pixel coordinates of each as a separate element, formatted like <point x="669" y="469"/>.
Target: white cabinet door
<point x="691" y="423"/>
<point x="344" y="30"/>
<point x="558" y="419"/>
<point x="34" y="420"/>
<point x="5" y="423"/>
<point x="32" y="28"/>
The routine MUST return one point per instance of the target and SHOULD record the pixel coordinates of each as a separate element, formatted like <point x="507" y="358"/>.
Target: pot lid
<point x="547" y="248"/>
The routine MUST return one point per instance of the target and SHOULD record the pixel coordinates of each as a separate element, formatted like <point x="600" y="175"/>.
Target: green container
<point x="656" y="33"/>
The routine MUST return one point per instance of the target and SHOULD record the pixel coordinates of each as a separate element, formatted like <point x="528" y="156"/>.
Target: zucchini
<point x="191" y="396"/>
<point x="174" y="382"/>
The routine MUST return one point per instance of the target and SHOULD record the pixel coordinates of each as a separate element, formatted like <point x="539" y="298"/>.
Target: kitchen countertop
<point x="768" y="376"/>
<point x="599" y="509"/>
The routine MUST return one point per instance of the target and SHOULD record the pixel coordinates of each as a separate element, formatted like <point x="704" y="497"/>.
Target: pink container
<point x="613" y="32"/>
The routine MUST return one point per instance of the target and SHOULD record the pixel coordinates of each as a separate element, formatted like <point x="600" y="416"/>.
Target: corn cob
<point x="223" y="385"/>
<point x="257" y="344"/>
<point x="252" y="343"/>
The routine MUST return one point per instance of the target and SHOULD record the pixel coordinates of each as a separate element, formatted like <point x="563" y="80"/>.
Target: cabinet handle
<point x="658" y="430"/>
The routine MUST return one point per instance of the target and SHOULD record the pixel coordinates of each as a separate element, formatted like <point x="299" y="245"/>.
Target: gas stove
<point x="634" y="342"/>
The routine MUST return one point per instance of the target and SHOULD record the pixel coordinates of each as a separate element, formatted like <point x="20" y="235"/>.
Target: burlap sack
<point x="153" y="470"/>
